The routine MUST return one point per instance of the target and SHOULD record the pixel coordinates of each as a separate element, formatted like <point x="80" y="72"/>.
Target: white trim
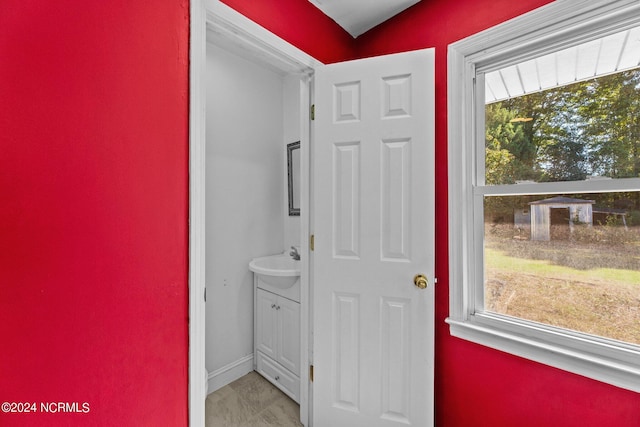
<point x="259" y="43"/>
<point x="197" y="68"/>
<point x="229" y="373"/>
<point x="557" y="21"/>
<point x="557" y="24"/>
<point x="593" y="186"/>
<point x="608" y="370"/>
<point x="305" y="302"/>
<point x="247" y="35"/>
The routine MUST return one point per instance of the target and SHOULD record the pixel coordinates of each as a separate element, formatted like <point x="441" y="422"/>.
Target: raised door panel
<point x="289" y="335"/>
<point x="266" y="323"/>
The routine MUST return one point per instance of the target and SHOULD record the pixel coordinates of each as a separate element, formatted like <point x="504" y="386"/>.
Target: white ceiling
<point x="606" y="55"/>
<point x="359" y="16"/>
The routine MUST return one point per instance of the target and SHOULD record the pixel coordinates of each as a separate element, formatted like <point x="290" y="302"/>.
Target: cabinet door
<point x="266" y="324"/>
<point x="288" y="354"/>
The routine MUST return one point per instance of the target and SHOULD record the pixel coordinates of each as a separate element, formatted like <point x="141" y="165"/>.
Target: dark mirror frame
<point x="293" y="178"/>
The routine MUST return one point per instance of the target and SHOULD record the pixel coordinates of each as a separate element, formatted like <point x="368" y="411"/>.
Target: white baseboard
<point x="229" y="373"/>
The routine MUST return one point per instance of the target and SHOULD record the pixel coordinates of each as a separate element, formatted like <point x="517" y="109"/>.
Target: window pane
<point x="570" y="261"/>
<point x="566" y="116"/>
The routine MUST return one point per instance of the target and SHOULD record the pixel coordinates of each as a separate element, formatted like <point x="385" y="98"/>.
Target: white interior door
<point x="373" y="221"/>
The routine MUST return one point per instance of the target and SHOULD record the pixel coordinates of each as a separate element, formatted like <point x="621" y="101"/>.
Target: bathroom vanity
<point x="277" y="321"/>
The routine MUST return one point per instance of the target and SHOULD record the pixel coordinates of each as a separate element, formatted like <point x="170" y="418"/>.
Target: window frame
<point x="551" y="27"/>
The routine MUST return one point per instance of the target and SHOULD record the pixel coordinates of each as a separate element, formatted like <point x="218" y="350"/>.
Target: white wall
<point x="291" y="134"/>
<point x="244" y="195"/>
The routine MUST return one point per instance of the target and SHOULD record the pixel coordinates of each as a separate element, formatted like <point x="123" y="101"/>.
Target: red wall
<point x="476" y="385"/>
<point x="302" y="24"/>
<point x="93" y="210"/>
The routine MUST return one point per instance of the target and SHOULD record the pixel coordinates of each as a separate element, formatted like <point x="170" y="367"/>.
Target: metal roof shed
<point x="579" y="211"/>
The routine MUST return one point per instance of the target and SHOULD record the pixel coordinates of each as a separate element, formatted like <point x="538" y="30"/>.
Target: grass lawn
<point x="547" y="269"/>
<point x="566" y="284"/>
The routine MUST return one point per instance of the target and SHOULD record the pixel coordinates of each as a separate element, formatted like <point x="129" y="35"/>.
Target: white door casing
<point x="373" y="222"/>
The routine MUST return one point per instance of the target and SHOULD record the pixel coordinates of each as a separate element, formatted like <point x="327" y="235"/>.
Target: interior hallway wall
<point x="94" y="173"/>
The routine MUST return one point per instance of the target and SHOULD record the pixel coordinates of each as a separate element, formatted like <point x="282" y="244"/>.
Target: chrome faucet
<point x="294" y="253"/>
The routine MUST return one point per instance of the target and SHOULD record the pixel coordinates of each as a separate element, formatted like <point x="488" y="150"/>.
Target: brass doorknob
<point x="420" y="280"/>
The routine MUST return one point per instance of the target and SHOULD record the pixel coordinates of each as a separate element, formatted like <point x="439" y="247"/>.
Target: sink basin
<point x="281" y="270"/>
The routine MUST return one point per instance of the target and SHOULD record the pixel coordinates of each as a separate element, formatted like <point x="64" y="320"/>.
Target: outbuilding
<point x="556" y="217"/>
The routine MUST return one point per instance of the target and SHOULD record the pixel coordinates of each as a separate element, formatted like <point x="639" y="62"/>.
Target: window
<point x="544" y="153"/>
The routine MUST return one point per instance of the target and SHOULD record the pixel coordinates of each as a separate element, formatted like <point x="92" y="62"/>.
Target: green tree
<point x="611" y="115"/>
<point x="567" y="133"/>
<point x="563" y="153"/>
<point x="499" y="162"/>
<point x="511" y="150"/>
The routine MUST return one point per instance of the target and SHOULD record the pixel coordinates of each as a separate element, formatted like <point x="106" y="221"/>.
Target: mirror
<point x="293" y="172"/>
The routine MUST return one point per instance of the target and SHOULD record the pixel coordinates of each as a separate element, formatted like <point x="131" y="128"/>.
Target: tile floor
<point x="251" y="401"/>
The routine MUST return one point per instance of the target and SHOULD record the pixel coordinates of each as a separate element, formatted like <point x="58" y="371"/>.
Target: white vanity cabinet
<point x="277" y="340"/>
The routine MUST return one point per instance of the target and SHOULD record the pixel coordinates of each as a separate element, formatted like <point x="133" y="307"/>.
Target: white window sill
<point x="543" y="345"/>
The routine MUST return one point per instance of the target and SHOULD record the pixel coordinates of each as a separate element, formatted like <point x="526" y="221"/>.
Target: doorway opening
<point x="241" y="187"/>
<point x="559" y="223"/>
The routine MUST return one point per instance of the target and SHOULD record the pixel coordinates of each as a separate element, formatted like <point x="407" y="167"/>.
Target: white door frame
<point x="197" y="97"/>
<point x="250" y="38"/>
